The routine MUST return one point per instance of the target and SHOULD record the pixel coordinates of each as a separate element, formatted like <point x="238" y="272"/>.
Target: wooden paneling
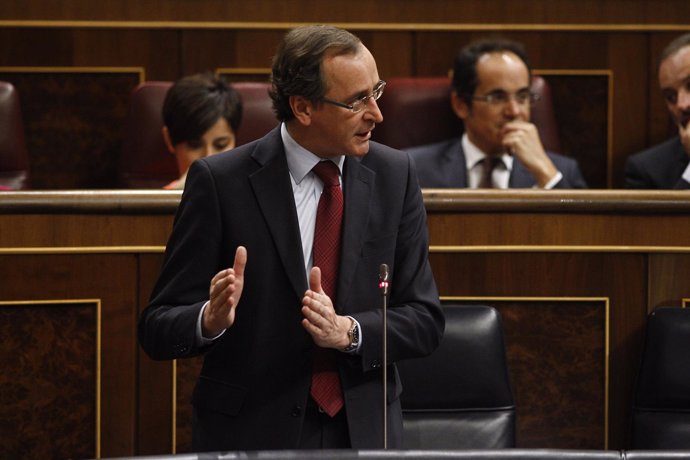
<point x="668" y="280"/>
<point x="583" y="121"/>
<point x="187" y="372"/>
<point x="210" y="49"/>
<point x="51" y="380"/>
<point x="72" y="123"/>
<point x="169" y="40"/>
<point x="155" y="378"/>
<point x="534" y="289"/>
<point x="111" y="279"/>
<point x="573" y="273"/>
<point x="557" y="358"/>
<point x="440" y="11"/>
<point x="627" y="55"/>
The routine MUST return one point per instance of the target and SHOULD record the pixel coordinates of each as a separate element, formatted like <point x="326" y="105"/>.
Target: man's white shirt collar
<point x="300" y="160"/>
<point x="474" y="155"/>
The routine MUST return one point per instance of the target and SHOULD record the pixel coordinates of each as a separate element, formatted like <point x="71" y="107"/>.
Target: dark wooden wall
<point x="574" y="275"/>
<point x="75" y="63"/>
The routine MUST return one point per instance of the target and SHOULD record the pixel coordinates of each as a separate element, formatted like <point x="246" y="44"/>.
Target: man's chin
<point x="360" y="149"/>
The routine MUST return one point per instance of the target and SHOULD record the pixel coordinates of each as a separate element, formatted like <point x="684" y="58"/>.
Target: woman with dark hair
<point x="201" y="115"/>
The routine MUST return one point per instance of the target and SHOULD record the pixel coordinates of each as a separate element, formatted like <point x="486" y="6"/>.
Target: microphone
<point x="383" y="279"/>
<point x="383" y="287"/>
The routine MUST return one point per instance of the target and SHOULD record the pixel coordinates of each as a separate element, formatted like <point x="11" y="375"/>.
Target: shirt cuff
<point x="555" y="180"/>
<point x="686" y="173"/>
<point x="200" y="339"/>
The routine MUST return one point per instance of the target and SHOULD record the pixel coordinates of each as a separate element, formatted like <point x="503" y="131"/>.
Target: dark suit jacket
<point x="255" y="379"/>
<point x="659" y="167"/>
<point x="443" y="165"/>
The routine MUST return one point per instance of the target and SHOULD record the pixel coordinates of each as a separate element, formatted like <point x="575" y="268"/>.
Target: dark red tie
<point x="489" y="163"/>
<point x="325" y="383"/>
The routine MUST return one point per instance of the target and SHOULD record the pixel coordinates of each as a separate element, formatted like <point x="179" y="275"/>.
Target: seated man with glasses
<point x="500" y="147"/>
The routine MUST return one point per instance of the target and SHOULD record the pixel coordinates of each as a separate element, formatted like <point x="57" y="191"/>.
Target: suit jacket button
<point x="296" y="411"/>
<point x="375" y="364"/>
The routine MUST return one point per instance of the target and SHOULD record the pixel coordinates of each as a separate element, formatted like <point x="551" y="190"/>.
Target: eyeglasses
<point x="498" y="98"/>
<point x="359" y="103"/>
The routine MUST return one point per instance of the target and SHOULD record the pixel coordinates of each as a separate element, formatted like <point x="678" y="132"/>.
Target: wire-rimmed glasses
<point x="499" y="98"/>
<point x="360" y="103"/>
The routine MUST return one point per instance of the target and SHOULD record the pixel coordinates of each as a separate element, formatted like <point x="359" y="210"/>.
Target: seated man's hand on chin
<point x="521" y="139"/>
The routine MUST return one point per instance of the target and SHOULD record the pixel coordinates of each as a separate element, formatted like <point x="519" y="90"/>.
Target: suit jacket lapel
<point x="681" y="164"/>
<point x="359" y="183"/>
<point x="460" y="162"/>
<point x="273" y="190"/>
<point x="519" y="176"/>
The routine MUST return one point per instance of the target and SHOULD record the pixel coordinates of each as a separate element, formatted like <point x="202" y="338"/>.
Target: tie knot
<point x="491" y="161"/>
<point x="327" y="172"/>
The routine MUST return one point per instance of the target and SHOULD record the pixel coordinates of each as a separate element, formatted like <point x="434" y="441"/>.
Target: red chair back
<point x="14" y="158"/>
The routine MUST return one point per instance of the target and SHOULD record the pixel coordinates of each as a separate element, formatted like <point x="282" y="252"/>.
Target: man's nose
<point x="373" y="109"/>
<point x="683" y="102"/>
<point x="513" y="108"/>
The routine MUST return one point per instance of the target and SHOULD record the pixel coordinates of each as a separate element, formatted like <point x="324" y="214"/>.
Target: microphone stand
<point x="383" y="287"/>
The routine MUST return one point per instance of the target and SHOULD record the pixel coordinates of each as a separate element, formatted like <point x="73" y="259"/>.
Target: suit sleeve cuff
<point x="200" y="339"/>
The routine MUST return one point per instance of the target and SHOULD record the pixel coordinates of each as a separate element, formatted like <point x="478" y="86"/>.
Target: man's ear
<point x="302" y="108"/>
<point x="459" y="105"/>
<point x="166" y="138"/>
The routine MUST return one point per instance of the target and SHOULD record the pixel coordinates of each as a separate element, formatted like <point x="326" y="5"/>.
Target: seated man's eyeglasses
<point x="361" y="102"/>
<point x="497" y="98"/>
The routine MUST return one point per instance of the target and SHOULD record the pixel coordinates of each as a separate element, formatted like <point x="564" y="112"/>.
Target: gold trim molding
<point x="434" y="249"/>
<point x="76" y="70"/>
<point x="83" y="250"/>
<point x="440" y="249"/>
<point x="244" y="71"/>
<point x="379" y="26"/>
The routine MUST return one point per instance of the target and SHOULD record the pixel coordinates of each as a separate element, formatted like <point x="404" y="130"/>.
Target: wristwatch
<point x="353" y="335"/>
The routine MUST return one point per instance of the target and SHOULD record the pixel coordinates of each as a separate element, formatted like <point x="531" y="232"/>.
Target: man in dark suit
<point x="667" y="165"/>
<point x="261" y="322"/>
<point x="500" y="147"/>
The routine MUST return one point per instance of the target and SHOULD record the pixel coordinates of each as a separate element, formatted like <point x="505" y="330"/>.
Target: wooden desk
<point x="573" y="273"/>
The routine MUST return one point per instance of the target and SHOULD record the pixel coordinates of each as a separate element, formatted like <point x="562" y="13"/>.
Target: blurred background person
<point x="500" y="148"/>
<point x="667" y="165"/>
<point x="201" y="116"/>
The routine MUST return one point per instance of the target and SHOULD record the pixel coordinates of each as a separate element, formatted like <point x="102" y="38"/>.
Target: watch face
<point x="354" y="335"/>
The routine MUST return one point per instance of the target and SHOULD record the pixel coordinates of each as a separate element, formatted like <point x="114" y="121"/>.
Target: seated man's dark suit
<point x="254" y="384"/>
<point x="659" y="167"/>
<point x="443" y="165"/>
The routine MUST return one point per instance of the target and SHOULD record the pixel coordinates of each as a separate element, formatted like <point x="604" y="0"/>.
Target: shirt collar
<point x="474" y="155"/>
<point x="300" y="160"/>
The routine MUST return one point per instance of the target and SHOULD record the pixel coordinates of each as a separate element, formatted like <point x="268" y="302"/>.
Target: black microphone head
<point x="383" y="272"/>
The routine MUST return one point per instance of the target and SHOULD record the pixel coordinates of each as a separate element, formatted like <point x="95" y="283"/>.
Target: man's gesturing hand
<point x="224" y="295"/>
<point x="328" y="329"/>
